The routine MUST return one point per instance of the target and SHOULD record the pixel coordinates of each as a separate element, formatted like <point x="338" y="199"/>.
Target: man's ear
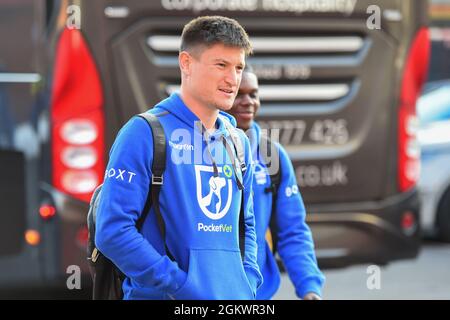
<point x="184" y="60"/>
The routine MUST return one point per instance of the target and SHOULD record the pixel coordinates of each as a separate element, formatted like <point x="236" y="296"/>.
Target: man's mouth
<point x="227" y="91"/>
<point x="247" y="115"/>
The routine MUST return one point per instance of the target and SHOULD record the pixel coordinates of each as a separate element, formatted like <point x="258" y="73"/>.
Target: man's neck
<point x="207" y="116"/>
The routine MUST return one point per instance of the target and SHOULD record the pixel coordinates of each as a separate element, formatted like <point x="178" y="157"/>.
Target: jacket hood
<point x="176" y="106"/>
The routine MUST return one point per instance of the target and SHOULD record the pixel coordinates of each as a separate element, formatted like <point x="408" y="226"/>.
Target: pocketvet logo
<point x="214" y="228"/>
<point x="216" y="185"/>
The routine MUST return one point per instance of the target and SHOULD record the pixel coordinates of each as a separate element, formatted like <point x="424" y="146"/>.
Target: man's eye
<point x="222" y="65"/>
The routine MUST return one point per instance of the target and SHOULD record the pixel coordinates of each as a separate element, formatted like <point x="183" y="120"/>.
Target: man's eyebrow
<point x="227" y="62"/>
<point x="221" y="60"/>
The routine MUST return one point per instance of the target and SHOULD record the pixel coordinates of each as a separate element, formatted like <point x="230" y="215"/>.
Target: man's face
<point x="247" y="102"/>
<point x="215" y="75"/>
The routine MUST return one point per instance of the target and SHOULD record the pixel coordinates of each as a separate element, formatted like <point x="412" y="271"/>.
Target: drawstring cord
<point x="228" y="150"/>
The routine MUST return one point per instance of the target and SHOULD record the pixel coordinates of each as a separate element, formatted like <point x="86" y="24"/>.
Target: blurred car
<point x="434" y="138"/>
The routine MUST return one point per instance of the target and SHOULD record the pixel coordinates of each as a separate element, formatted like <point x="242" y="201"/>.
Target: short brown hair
<point x="210" y="30"/>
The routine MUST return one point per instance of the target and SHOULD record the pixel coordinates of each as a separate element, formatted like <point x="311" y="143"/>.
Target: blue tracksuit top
<point x="295" y="244"/>
<point x="201" y="212"/>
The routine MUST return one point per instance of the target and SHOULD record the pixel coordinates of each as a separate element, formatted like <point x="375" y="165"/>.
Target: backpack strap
<point x="157" y="179"/>
<point x="240" y="164"/>
<point x="107" y="278"/>
<point x="239" y="147"/>
<point x="242" y="229"/>
<point x="241" y="211"/>
<point x="275" y="181"/>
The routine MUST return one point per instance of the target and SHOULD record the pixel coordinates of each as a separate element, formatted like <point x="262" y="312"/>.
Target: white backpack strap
<point x="238" y="145"/>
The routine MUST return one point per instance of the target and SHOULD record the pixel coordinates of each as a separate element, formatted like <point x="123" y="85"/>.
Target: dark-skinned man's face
<point x="247" y="103"/>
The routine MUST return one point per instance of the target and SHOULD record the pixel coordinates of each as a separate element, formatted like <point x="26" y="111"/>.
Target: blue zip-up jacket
<point x="295" y="243"/>
<point x="201" y="212"/>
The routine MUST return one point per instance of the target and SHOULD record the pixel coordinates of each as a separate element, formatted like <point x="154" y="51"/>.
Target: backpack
<point x="106" y="277"/>
<point x="275" y="181"/>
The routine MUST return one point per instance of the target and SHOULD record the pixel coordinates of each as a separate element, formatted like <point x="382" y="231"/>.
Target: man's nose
<point x="232" y="77"/>
<point x="245" y="99"/>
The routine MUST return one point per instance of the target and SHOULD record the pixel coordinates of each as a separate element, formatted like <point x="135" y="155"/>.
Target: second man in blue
<point x="295" y="243"/>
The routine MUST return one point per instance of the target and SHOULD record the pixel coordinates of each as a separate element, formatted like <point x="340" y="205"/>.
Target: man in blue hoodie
<point x="200" y="198"/>
<point x="295" y="243"/>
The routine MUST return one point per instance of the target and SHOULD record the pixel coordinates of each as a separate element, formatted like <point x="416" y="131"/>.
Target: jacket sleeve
<point x="250" y="261"/>
<point x="124" y="193"/>
<point x="295" y="242"/>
